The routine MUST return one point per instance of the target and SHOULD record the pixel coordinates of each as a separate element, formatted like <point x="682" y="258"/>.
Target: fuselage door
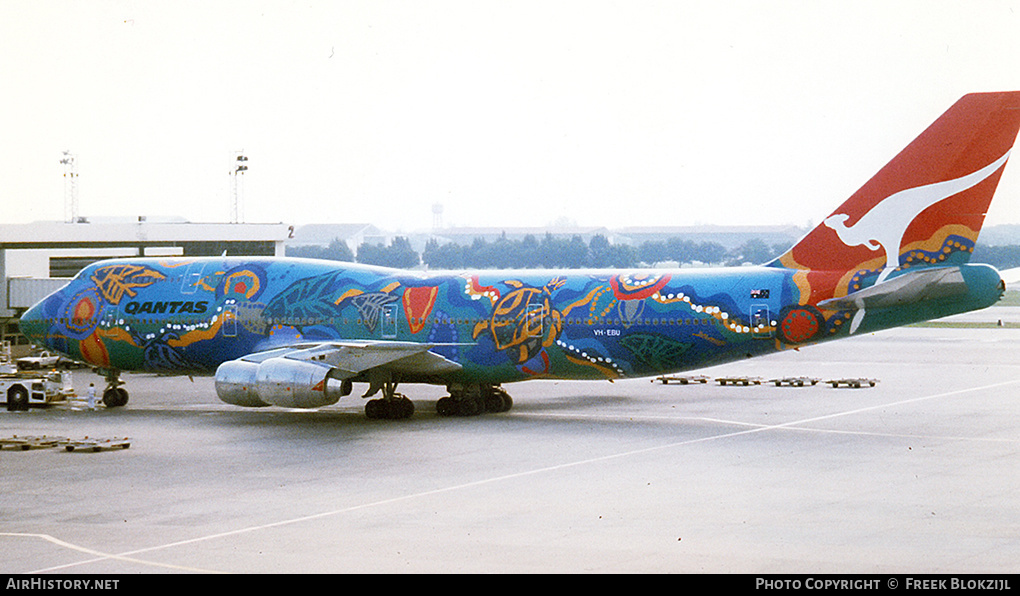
<point x="189" y="285"/>
<point x="388" y="323"/>
<point x="534" y="319"/>
<point x="110" y="316"/>
<point x="230" y="320"/>
<point x="761" y="322"/>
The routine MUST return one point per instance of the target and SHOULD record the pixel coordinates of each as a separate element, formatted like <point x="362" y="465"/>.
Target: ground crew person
<point x="91" y="396"/>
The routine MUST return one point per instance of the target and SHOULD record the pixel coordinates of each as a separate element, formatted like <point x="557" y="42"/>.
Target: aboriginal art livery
<point x="299" y="333"/>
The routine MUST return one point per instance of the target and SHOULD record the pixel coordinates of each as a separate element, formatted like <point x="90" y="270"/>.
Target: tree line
<point x="1001" y="257"/>
<point x="552" y="252"/>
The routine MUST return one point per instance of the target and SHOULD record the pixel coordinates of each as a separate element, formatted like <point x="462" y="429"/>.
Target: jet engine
<point x="279" y="382"/>
<point x="235" y="384"/>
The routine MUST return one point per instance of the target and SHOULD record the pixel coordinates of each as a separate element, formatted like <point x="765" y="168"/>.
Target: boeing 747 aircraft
<point x="299" y="333"/>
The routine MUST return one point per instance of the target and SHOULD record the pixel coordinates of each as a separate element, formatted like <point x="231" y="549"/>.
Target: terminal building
<point x="40" y="257"/>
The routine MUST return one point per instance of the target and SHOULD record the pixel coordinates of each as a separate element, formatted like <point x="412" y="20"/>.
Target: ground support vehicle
<point x="683" y="380"/>
<point x="854" y="383"/>
<point x="20" y="391"/>
<point x="25" y="443"/>
<point x="745" y="381"/>
<point x="95" y="444"/>
<point x="42" y="360"/>
<point x="794" y="381"/>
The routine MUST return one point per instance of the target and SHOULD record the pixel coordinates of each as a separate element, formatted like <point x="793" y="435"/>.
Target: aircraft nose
<point x="33" y="325"/>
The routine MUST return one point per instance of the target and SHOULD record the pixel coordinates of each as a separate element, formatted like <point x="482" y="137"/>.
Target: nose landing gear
<point x="114" y="396"/>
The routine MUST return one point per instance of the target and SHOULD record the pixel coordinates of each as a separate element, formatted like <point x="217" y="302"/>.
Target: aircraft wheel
<point x="377" y="409"/>
<point x="389" y="409"/>
<point x="115" y="397"/>
<point x="469" y="407"/>
<point x="446" y="406"/>
<point x="495" y="399"/>
<point x="494" y="402"/>
<point x="402" y="408"/>
<point x="498" y="401"/>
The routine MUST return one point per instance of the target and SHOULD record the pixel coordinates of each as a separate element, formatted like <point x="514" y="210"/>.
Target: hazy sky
<point x="506" y="113"/>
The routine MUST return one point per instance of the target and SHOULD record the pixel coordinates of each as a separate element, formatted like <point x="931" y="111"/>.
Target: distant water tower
<point x="70" y="188"/>
<point x="437" y="216"/>
<point x="240" y="166"/>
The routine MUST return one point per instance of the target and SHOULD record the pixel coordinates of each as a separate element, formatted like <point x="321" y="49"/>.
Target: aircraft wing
<point x="350" y="358"/>
<point x="908" y="288"/>
<point x="314" y="374"/>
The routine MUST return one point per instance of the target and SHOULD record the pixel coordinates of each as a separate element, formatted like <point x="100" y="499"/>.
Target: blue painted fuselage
<point x="189" y="315"/>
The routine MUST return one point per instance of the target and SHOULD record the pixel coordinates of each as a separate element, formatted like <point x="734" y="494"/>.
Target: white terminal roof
<point x="26" y="250"/>
<point x="49" y="234"/>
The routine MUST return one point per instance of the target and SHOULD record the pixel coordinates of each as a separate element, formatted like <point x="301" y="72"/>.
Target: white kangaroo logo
<point x="887" y="222"/>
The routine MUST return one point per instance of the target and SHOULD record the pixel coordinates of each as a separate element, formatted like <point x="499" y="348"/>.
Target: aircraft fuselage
<point x="188" y="316"/>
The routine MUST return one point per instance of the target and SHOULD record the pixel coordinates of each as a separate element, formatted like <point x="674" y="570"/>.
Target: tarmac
<point x="918" y="474"/>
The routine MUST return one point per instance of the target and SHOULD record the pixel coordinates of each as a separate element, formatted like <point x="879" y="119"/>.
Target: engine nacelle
<point x="235" y="384"/>
<point x="296" y="384"/>
<point x="279" y="382"/>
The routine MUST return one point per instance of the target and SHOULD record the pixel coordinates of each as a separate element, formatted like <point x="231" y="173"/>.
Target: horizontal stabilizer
<point x="1011" y="276"/>
<point x="909" y="288"/>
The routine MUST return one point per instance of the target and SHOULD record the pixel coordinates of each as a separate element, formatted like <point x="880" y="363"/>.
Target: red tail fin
<point x="925" y="207"/>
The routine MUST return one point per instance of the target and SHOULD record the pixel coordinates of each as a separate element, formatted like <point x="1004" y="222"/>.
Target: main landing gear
<point x="114" y="396"/>
<point x="474" y="399"/>
<point x="392" y="405"/>
<point x="464" y="400"/>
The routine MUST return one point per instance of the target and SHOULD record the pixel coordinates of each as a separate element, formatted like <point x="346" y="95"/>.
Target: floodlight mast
<point x="239" y="168"/>
<point x="70" y="187"/>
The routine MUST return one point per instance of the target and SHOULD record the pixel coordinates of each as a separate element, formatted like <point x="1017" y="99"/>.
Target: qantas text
<point x="172" y="307"/>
